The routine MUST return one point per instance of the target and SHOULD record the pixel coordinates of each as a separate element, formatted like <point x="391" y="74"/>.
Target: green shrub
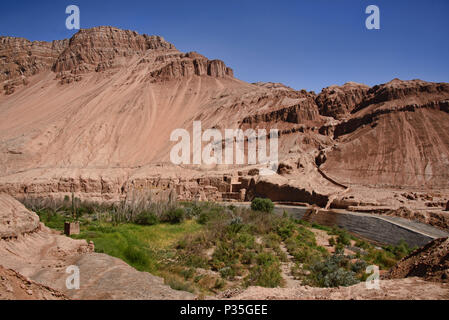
<point x="219" y="284"/>
<point x="359" y="266"/>
<point x="188" y="273"/>
<point x="266" y="272"/>
<point x="203" y="218"/>
<point x="362" y="244"/>
<point x="268" y="277"/>
<point x="248" y="257"/>
<point x="272" y="240"/>
<point x="146" y="218"/>
<point x="227" y="273"/>
<point x="209" y="213"/>
<point x="285" y="229"/>
<point x="263" y="205"/>
<point x="245" y="240"/>
<point x="265" y="259"/>
<point x="225" y="253"/>
<point x="339" y="248"/>
<point x="193" y="210"/>
<point x="344" y="238"/>
<point x="331" y="273"/>
<point x="235" y="225"/>
<point x="176" y="215"/>
<point x="196" y="261"/>
<point x="400" y="250"/>
<point x="381" y="258"/>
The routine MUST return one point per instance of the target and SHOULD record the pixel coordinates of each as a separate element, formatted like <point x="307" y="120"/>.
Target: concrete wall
<point x="370" y="227"/>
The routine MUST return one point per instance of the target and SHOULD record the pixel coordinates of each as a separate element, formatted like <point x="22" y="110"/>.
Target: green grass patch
<point x="143" y="247"/>
<point x="205" y="247"/>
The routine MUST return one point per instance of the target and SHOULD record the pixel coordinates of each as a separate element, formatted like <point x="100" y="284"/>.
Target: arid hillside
<point x="396" y="136"/>
<point x="93" y="115"/>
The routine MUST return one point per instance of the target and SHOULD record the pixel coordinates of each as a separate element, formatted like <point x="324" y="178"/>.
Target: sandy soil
<point x="399" y="289"/>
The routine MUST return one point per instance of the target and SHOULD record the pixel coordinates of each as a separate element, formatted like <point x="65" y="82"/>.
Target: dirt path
<point x="286" y="269"/>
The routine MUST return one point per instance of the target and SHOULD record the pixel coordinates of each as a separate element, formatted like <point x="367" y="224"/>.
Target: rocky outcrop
<point x="371" y="118"/>
<point x="21" y="58"/>
<point x="97" y="48"/>
<point x="339" y="101"/>
<point x="305" y="110"/>
<point x="402" y="93"/>
<point x="15" y="219"/>
<point x="430" y="262"/>
<point x="434" y="218"/>
<point x="14" y="286"/>
<point x="190" y="64"/>
<point x="390" y="138"/>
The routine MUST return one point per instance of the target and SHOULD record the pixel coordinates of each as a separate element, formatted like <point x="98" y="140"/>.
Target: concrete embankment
<point x="380" y="229"/>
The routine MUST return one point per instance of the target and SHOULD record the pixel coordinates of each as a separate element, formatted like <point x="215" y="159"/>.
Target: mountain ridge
<point x="93" y="114"/>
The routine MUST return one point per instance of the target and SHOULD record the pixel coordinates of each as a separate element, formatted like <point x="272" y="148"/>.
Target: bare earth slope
<point x="430" y="262"/>
<point x="93" y="115"/>
<point x="14" y="286"/>
<point x="398" y="289"/>
<point x="397" y="136"/>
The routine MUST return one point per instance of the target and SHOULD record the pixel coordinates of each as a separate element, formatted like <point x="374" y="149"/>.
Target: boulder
<point x="15" y="219"/>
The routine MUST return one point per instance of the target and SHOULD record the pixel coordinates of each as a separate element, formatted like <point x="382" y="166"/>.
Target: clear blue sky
<point x="307" y="44"/>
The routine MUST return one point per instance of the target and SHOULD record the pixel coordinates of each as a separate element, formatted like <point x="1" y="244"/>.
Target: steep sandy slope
<point x="94" y="114"/>
<point x="121" y="107"/>
<point x="101" y="116"/>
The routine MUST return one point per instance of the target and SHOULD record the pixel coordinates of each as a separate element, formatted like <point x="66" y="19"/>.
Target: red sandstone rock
<point x="108" y="100"/>
<point x="339" y="101"/>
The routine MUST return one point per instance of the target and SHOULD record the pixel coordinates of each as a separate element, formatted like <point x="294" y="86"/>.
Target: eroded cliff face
<point x="339" y="101"/>
<point x="397" y="136"/>
<point x="399" y="93"/>
<point x="21" y="58"/>
<point x="94" y="114"/>
<point x="185" y="65"/>
<point x="96" y="50"/>
<point x="301" y="112"/>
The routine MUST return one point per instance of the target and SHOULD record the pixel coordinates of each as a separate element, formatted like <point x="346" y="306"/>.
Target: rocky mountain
<point x="396" y="136"/>
<point x="21" y="58"/>
<point x="93" y="115"/>
<point x="339" y="101"/>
